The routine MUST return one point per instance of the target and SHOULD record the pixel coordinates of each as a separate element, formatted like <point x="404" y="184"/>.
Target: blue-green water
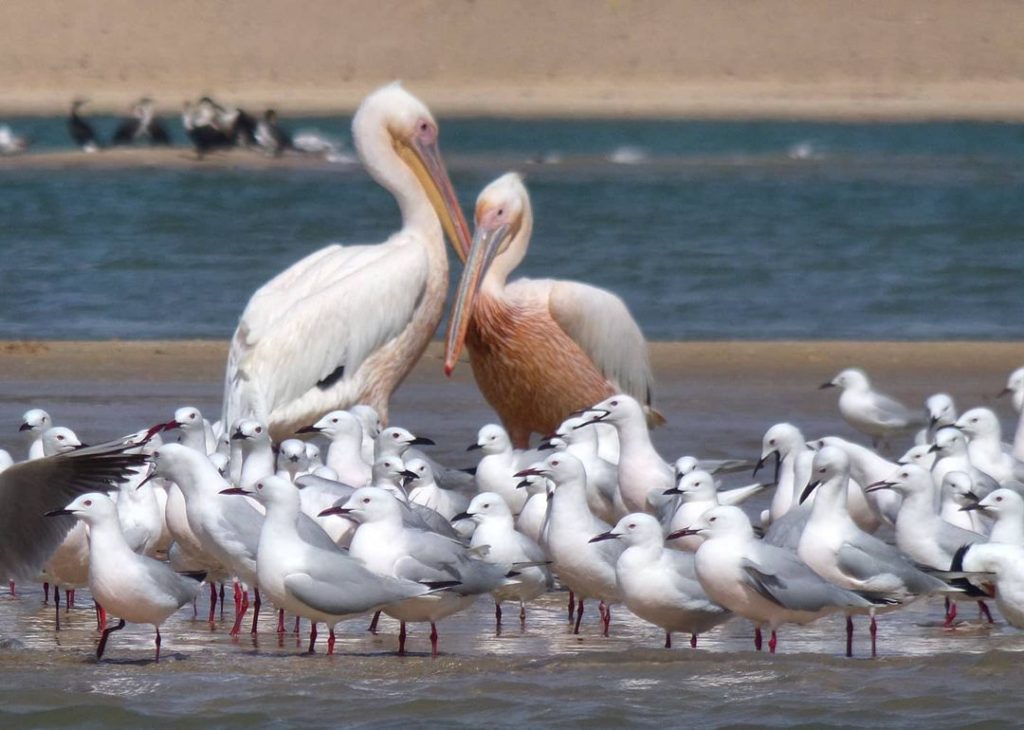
<point x="715" y="230"/>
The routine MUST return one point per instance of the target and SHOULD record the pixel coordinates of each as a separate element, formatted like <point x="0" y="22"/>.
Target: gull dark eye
<point x="487" y="506"/>
<point x="192" y="416"/>
<point x="334" y="420"/>
<point x="394" y="435"/>
<point x="60" y="438"/>
<point x="87" y="503"/>
<point x="632" y="525"/>
<point x="259" y="486"/>
<point x="712" y="519"/>
<point x="366" y="500"/>
<point x="771" y="442"/>
<point x="614" y="403"/>
<point x="999" y="499"/>
<point x="259" y="429"/>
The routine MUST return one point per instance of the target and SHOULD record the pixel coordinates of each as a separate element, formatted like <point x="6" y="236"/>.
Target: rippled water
<point x="714" y="230"/>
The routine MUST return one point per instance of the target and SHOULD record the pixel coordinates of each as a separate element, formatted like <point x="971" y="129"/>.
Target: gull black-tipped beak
<point x="335" y="511"/>
<point x="600" y="415"/>
<point x="523" y="484"/>
<point x="1004" y="392"/>
<point x="462" y="516"/>
<point x="59" y="512"/>
<point x="825" y="386"/>
<point x="235" y="490"/>
<point x="685" y="532"/>
<point x="148" y="477"/>
<point x="545" y="446"/>
<point x="237" y="435"/>
<point x="673" y="490"/>
<point x="604" y="536"/>
<point x="409" y="474"/>
<point x="933" y="448"/>
<point x="932" y="420"/>
<point x="971" y="507"/>
<point x="876" y="486"/>
<point x="421" y="441"/>
<point x="305" y="429"/>
<point x="808" y="489"/>
<point x="474" y="447"/>
<point x="80" y="446"/>
<point x="24" y="427"/>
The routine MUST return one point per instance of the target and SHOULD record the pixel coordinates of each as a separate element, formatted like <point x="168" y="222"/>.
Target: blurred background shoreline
<point x="915" y="59"/>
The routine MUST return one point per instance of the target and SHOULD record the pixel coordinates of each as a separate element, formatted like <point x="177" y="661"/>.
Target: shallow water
<point x="543" y="676"/>
<point x="708" y="230"/>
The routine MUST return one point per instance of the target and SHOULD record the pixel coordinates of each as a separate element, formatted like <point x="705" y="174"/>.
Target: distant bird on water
<point x="540" y="348"/>
<point x="82" y="133"/>
<point x="270" y="136"/>
<point x="347" y="323"/>
<point x="141" y="126"/>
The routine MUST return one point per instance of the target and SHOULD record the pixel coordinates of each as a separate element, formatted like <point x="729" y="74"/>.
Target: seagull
<point x="133" y="587"/>
<point x="941" y="411"/>
<point x="387" y="546"/>
<point x="658" y="584"/>
<point x="697" y="494"/>
<point x="582" y="440"/>
<point x="842" y="553"/>
<point x="346" y="324"/>
<point x="315" y="580"/>
<point x="257" y="451"/>
<point x="1006" y="562"/>
<point x="1006" y="509"/>
<point x="959" y="503"/>
<point x="345" y="454"/>
<point x="768" y="585"/>
<point x="869" y="411"/>
<point x="369" y="419"/>
<point x="31" y="488"/>
<point x="498" y="542"/>
<point x="587" y="569"/>
<point x="985" y="447"/>
<point x="786" y="444"/>
<point x="496" y="470"/>
<point x="33" y="423"/>
<point x="952" y="454"/>
<point x="424" y="490"/>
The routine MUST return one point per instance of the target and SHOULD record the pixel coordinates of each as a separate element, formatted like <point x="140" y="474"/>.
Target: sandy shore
<point x="763" y="58"/>
<point x="719" y="397"/>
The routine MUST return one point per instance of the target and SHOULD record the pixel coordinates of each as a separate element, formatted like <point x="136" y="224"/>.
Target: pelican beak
<point x="424" y="159"/>
<point x="604" y="536"/>
<point x="486" y="243"/>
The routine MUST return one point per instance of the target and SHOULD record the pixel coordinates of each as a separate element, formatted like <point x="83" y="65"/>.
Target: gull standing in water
<point x="659" y="584"/>
<point x="766" y="584"/>
<point x="869" y="411"/>
<point x="347" y="323"/>
<point x="539" y="348"/>
<point x="133" y="587"/>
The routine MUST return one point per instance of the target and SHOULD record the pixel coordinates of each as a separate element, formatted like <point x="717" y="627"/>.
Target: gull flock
<point x="367" y="523"/>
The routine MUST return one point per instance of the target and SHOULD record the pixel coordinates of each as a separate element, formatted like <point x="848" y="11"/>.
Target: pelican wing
<point x="314" y="324"/>
<point x="599" y="322"/>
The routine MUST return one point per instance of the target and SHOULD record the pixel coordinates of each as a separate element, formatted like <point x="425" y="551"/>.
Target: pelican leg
<point x="106" y="635"/>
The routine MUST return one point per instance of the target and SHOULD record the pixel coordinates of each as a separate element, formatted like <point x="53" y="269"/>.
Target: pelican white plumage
<point x="540" y="348"/>
<point x="345" y="324"/>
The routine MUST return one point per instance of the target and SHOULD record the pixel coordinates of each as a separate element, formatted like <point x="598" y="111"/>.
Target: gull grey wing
<point x="793" y="585"/>
<point x="31" y="489"/>
<point x="866" y="559"/>
<point x="337" y="596"/>
<point x="889" y="411"/>
<point x="785" y="532"/>
<point x="312" y="534"/>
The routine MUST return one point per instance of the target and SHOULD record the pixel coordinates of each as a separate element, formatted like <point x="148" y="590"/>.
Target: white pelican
<point x="540" y="348"/>
<point x="345" y="324"/>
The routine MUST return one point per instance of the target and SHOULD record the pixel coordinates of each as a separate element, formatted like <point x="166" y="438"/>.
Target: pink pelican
<point x="540" y="348"/>
<point x="345" y="324"/>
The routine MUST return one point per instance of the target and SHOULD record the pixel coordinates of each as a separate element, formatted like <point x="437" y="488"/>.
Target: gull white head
<point x="369" y="419"/>
<point x="59" y="440"/>
<point x="617" y="410"/>
<point x="723" y="521"/>
<point x="1000" y="502"/>
<point x="250" y="432"/>
<point x="634" y="529"/>
<point x="560" y="468"/>
<point x="337" y="425"/>
<point x="941" y="410"/>
<point x="492" y="439"/>
<point x="369" y="504"/>
<point x="486" y="505"/>
<point x="849" y="379"/>
<point x="92" y="508"/>
<point x="421" y="468"/>
<point x="396" y="441"/>
<point x="949" y="441"/>
<point x="980" y="423"/>
<point x="694" y="487"/>
<point x="35" y="420"/>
